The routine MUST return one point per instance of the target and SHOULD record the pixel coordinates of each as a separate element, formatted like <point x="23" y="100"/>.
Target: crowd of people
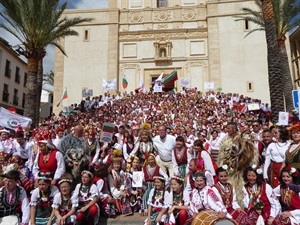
<point x="173" y="158"/>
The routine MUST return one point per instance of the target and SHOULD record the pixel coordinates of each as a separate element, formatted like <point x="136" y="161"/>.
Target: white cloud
<point x="91" y="4"/>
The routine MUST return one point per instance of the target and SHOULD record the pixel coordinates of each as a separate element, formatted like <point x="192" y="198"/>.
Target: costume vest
<point x="51" y="165"/>
<point x="5" y="208"/>
<point x="148" y="176"/>
<point x="183" y="159"/>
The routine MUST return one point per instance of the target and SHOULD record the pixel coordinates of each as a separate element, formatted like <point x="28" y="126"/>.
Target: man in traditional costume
<point x="237" y="151"/>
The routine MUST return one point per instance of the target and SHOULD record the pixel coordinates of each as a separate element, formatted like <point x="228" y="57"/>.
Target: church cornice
<point x="167" y="34"/>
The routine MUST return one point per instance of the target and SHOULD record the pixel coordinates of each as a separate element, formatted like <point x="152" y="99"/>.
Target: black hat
<point x="13" y="175"/>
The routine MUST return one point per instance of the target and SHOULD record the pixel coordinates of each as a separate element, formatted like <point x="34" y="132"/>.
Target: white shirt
<point x="24" y="151"/>
<point x="206" y="198"/>
<point x="276" y="153"/>
<point x="35" y="195"/>
<point x="165" y="147"/>
<point x="7" y="146"/>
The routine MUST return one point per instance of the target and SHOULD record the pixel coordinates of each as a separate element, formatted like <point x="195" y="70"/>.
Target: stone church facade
<point x="201" y="39"/>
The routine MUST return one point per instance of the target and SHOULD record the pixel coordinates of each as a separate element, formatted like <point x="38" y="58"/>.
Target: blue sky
<point x="89" y="4"/>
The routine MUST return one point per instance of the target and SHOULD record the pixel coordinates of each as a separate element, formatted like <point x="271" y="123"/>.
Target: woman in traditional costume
<point x="292" y="155"/>
<point x="180" y="157"/>
<point x="86" y="193"/>
<point x="226" y="192"/>
<point x="150" y="170"/>
<point x="92" y="146"/>
<point x="106" y="202"/>
<point x="42" y="200"/>
<point x="128" y="147"/>
<point x="275" y="157"/>
<point x="144" y="146"/>
<point x="205" y="162"/>
<point x="116" y="182"/>
<point x="158" y="203"/>
<point x="214" y="144"/>
<point x="48" y="160"/>
<point x="289" y="197"/>
<point x="180" y="201"/>
<point x="259" y="198"/>
<point x="64" y="207"/>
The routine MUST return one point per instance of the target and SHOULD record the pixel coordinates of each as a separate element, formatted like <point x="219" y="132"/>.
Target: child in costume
<point x="42" y="200"/>
<point x="158" y="203"/>
<point x="86" y="193"/>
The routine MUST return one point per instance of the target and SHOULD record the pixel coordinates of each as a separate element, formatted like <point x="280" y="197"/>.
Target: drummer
<point x="204" y="198"/>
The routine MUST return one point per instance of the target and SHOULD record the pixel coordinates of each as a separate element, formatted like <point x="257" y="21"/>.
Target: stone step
<point x="135" y="219"/>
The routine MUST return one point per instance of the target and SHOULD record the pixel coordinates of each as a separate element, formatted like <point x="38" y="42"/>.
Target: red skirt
<point x="274" y="174"/>
<point x="240" y="216"/>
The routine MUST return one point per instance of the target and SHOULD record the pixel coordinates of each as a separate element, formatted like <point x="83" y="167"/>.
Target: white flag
<point x="209" y="85"/>
<point x="110" y="84"/>
<point x="12" y="120"/>
<point x="185" y="82"/>
<point x="160" y="78"/>
<point x="283" y="118"/>
<point x="142" y="84"/>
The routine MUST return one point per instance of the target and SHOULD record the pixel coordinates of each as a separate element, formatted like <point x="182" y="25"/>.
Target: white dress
<point x="158" y="204"/>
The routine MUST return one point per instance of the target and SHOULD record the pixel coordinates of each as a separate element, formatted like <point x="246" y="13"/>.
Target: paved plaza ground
<point x="135" y="219"/>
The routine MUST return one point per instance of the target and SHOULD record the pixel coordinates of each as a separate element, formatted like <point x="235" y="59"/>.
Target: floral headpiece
<point x="258" y="169"/>
<point x="177" y="178"/>
<point x="87" y="172"/>
<point x="295" y="127"/>
<point x="159" y="177"/>
<point x="65" y="180"/>
<point x="225" y="167"/>
<point x="292" y="171"/>
<point x="44" y="178"/>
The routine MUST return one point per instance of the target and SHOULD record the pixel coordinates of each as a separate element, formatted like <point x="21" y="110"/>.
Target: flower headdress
<point x="44" y="178"/>
<point x="87" y="172"/>
<point x="292" y="171"/>
<point x="258" y="169"/>
<point x="65" y="180"/>
<point x="225" y="167"/>
<point x="161" y="178"/>
<point x="295" y="127"/>
<point x="175" y="177"/>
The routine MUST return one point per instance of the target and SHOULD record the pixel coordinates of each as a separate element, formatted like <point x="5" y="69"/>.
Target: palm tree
<point x="48" y="78"/>
<point x="274" y="68"/>
<point x="37" y="24"/>
<point x="286" y="18"/>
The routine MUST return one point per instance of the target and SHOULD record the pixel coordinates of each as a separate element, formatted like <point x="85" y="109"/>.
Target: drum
<point x="209" y="217"/>
<point x="9" y="220"/>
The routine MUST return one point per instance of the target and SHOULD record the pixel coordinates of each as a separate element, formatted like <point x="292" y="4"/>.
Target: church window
<point x="162" y="3"/>
<point x="86" y="35"/>
<point x="246" y="24"/>
<point x="249" y="86"/>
